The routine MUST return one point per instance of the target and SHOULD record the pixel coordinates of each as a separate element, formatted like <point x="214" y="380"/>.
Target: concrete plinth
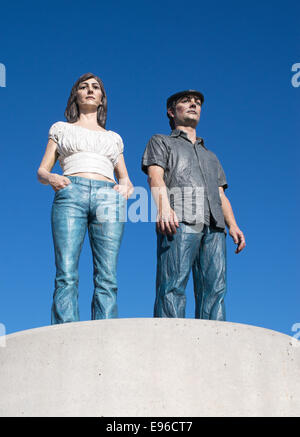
<point x="150" y="367"/>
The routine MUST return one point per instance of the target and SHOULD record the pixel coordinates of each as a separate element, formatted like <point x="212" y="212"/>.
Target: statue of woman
<point x="86" y="197"/>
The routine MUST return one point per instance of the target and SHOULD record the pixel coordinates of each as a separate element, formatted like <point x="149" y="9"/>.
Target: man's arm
<point x="234" y="231"/>
<point x="166" y="218"/>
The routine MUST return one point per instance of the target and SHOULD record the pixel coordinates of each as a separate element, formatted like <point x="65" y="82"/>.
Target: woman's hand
<point x="58" y="182"/>
<point x="125" y="188"/>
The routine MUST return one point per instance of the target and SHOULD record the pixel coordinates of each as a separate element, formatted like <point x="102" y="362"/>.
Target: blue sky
<point x="240" y="55"/>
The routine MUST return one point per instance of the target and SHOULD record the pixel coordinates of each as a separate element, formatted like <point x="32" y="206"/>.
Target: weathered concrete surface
<point x="150" y="367"/>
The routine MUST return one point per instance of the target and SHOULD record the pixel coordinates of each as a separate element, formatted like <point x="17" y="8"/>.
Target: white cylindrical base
<point x="150" y="367"/>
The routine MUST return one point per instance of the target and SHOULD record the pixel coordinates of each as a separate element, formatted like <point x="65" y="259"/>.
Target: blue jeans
<point x="205" y="254"/>
<point x="96" y="206"/>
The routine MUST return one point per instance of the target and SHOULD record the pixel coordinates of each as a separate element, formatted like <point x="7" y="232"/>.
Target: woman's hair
<point x="72" y="109"/>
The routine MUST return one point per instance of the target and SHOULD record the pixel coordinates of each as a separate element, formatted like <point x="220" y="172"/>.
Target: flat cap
<point x="176" y="96"/>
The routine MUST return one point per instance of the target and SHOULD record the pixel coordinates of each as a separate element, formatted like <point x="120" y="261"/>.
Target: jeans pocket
<point x="63" y="189"/>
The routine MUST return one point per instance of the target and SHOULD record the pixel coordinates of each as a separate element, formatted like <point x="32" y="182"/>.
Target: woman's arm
<point x="124" y="186"/>
<point x="44" y="174"/>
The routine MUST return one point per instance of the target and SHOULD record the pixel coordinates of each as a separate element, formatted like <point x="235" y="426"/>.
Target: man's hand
<point x="238" y="238"/>
<point x="167" y="222"/>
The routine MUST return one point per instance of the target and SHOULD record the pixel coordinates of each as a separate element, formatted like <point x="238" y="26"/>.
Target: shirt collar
<point x="177" y="133"/>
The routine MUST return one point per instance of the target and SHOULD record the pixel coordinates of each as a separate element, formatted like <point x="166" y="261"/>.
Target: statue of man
<point x="187" y="182"/>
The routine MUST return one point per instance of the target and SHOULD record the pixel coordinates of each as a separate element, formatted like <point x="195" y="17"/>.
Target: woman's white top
<point x="84" y="150"/>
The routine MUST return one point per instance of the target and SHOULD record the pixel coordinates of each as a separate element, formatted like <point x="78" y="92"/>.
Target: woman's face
<point x="89" y="93"/>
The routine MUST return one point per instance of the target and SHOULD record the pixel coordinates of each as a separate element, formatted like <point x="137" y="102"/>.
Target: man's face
<point x="187" y="111"/>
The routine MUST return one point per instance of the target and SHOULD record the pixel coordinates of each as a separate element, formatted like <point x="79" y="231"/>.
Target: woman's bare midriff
<point x="97" y="176"/>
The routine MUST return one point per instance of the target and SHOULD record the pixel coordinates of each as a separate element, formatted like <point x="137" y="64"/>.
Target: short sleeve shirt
<point x="192" y="174"/>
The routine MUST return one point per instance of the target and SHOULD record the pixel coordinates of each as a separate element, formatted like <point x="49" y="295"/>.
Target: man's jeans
<point x="96" y="206"/>
<point x="203" y="252"/>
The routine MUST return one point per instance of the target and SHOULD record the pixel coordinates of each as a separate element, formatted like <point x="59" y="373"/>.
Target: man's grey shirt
<point x="192" y="174"/>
